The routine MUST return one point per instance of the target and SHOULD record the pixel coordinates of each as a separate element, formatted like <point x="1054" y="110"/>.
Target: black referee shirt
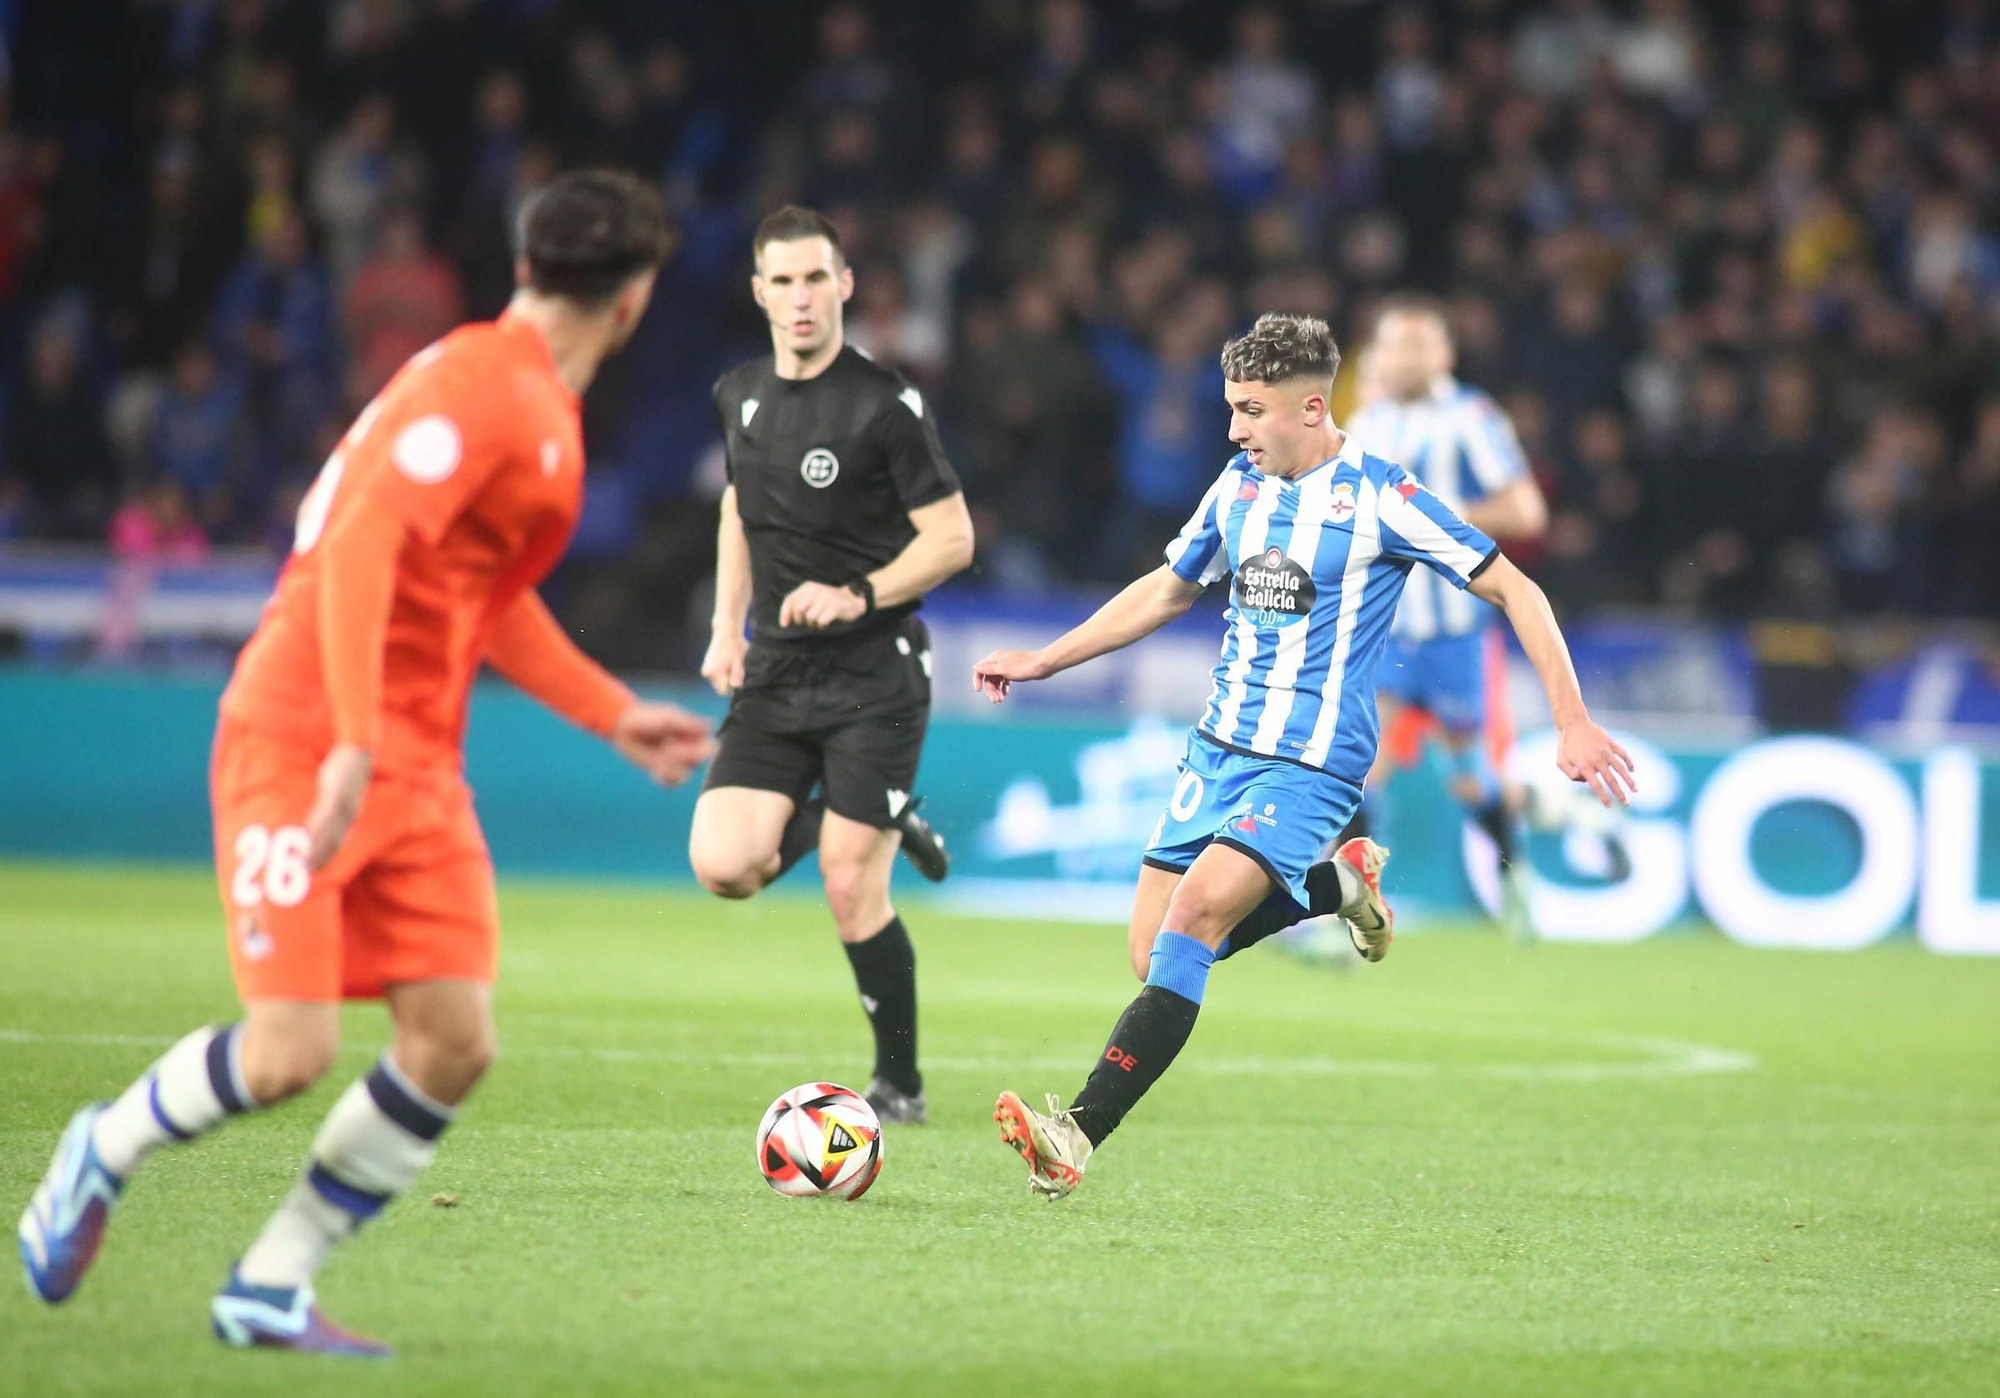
<point x="826" y="471"/>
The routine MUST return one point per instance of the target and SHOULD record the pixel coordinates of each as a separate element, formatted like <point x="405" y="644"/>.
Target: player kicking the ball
<point x="351" y="864"/>
<point x="1319" y="538"/>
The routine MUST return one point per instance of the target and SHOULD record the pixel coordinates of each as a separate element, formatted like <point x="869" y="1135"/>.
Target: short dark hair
<point x="1282" y="347"/>
<point x="792" y="223"/>
<point x="1414" y="303"/>
<point x="586" y="233"/>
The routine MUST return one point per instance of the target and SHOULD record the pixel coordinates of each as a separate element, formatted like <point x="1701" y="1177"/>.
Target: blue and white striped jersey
<point x="1319" y="563"/>
<point x="1462" y="447"/>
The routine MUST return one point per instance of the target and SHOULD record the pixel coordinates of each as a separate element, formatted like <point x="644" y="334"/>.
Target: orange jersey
<point x="470" y="466"/>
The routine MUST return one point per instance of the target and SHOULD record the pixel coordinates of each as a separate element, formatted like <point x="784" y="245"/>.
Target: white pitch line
<point x="1664" y="1058"/>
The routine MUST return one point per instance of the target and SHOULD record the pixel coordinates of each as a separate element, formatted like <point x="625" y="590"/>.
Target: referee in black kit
<point x="841" y="513"/>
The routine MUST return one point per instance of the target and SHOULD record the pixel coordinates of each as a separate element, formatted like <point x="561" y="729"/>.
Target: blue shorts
<point x="1277" y="812"/>
<point x="1445" y="676"/>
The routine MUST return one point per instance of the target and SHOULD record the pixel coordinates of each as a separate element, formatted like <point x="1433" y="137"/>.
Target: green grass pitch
<point x="1679" y="1167"/>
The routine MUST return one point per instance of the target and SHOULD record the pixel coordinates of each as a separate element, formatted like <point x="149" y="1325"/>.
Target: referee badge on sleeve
<point x="819" y="468"/>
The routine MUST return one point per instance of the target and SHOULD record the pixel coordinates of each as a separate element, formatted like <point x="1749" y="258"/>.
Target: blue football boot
<point x="64" y="1225"/>
<point x="246" y="1315"/>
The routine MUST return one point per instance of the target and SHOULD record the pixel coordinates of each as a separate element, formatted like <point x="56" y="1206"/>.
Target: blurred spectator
<point x="1879" y="528"/>
<point x="274" y="322"/>
<point x="163" y="275"/>
<point x="155" y="526"/>
<point x="402" y="298"/>
<point x="57" y="453"/>
<point x="196" y="437"/>
<point x="151" y="530"/>
<point x="1171" y="430"/>
<point x="353" y="178"/>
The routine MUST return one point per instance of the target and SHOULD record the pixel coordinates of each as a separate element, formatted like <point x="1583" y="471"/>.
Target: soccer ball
<point x="820" y="1140"/>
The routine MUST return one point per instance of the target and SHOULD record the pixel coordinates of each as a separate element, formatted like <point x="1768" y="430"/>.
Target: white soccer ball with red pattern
<point x="820" y="1140"/>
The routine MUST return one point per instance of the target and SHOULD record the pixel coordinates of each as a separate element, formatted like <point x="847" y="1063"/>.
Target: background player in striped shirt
<point x="350" y="860"/>
<point x="1444" y="655"/>
<point x="1317" y="539"/>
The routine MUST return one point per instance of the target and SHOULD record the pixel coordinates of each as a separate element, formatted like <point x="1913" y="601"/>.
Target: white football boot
<point x="1370" y="921"/>
<point x="1054" y="1145"/>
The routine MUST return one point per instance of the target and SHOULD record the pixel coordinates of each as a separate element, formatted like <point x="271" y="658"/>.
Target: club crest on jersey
<point x="819" y="468"/>
<point x="1274" y="590"/>
<point x="1341" y="507"/>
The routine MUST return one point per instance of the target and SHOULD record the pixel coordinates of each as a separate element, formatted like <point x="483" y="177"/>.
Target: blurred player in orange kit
<point x="351" y="863"/>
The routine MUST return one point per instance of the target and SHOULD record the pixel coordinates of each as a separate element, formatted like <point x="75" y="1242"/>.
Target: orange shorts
<point x="409" y="896"/>
<point x="1412" y="727"/>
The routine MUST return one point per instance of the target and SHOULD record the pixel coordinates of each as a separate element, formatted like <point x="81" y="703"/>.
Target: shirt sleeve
<point x="429" y="447"/>
<point x="909" y="440"/>
<point x="530" y="647"/>
<point x="1492" y="450"/>
<point x="719" y="395"/>
<point x="1418" y="526"/>
<point x="1197" y="554"/>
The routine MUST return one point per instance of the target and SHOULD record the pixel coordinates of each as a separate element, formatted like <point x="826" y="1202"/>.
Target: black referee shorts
<point x="846" y="715"/>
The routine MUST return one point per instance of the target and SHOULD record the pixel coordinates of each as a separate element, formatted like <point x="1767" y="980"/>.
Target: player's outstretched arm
<point x="722" y="666"/>
<point x="942" y="547"/>
<point x="1517" y="510"/>
<point x="1584" y="752"/>
<point x="532" y="650"/>
<point x="1145" y="605"/>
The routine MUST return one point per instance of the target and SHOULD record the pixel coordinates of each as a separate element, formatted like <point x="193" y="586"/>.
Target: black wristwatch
<point x="863" y="589"/>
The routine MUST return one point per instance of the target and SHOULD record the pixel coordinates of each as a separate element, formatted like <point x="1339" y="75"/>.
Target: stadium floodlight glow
<point x="1951" y="916"/>
<point x="1770" y="774"/>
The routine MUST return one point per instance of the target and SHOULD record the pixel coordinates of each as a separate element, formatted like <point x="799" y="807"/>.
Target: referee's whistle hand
<point x="820" y="604"/>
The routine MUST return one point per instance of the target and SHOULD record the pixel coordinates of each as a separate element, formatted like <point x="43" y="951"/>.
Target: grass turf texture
<point x="1438" y="1175"/>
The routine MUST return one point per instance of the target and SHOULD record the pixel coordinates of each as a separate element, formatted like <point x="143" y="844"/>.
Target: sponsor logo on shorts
<point x="819" y="467"/>
<point x="250" y="934"/>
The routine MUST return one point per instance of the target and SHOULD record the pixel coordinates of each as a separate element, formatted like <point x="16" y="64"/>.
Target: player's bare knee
<point x="1142" y="960"/>
<point x="444" y="1061"/>
<point x="725" y="877"/>
<point x="276" y="1069"/>
<point x="1193" y="913"/>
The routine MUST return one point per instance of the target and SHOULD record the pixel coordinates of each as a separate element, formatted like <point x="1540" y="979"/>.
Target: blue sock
<point x="1148" y="1035"/>
<point x="1180" y="963"/>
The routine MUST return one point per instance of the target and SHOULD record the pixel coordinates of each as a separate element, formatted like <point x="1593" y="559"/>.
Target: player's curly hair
<point x="1281" y="347"/>
<point x="586" y="233"/>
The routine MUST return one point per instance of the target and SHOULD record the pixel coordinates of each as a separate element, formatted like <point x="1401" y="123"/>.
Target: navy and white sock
<point x="378" y="1138"/>
<point x="193" y="1087"/>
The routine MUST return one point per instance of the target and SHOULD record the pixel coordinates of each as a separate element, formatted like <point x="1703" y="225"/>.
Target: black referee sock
<point x="1143" y="1045"/>
<point x="801" y="835"/>
<point x="1496" y="820"/>
<point x="885" y="972"/>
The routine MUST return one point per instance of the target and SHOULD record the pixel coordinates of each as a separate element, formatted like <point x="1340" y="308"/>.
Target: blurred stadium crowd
<point x="1733" y="267"/>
